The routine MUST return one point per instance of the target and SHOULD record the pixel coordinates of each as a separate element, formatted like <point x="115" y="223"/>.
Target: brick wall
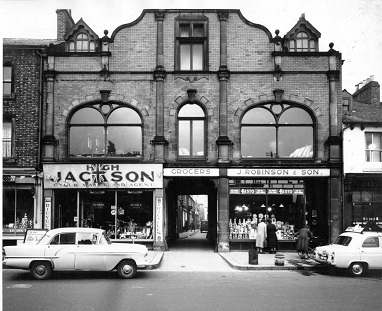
<point x="24" y="105"/>
<point x="368" y="94"/>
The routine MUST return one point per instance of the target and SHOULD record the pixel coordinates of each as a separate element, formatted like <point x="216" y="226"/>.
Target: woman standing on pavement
<point x="261" y="236"/>
<point x="271" y="236"/>
<point x="302" y="245"/>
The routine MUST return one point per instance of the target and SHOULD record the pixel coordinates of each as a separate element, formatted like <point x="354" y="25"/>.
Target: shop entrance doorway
<point x="191" y="202"/>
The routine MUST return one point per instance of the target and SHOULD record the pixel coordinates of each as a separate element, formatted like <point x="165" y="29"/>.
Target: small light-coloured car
<point x="76" y="249"/>
<point x="356" y="250"/>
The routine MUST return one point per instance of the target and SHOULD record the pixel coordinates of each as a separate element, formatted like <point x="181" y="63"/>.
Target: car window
<point x="371" y="242"/>
<point x="104" y="239"/>
<point x="64" y="238"/>
<point x="87" y="238"/>
<point x="343" y="240"/>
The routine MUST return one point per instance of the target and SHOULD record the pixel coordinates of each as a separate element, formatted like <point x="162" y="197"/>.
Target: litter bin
<point x="279" y="259"/>
<point x="253" y="257"/>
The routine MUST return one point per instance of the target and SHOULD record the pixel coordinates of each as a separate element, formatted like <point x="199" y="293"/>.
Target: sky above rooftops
<point x="354" y="26"/>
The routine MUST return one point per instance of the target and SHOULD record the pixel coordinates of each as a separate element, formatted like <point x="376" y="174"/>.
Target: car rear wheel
<point x="357" y="269"/>
<point x="41" y="270"/>
<point x="127" y="269"/>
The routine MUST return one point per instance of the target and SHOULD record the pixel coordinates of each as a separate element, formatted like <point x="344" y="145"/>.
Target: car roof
<point x="74" y="229"/>
<point x="364" y="233"/>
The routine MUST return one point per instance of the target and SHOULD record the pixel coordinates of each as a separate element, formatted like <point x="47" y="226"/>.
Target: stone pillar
<point x="223" y="141"/>
<point x="335" y="195"/>
<point x="159" y="140"/>
<point x="48" y="141"/>
<point x="223" y="213"/>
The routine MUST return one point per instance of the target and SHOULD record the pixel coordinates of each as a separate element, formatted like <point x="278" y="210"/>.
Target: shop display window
<point x="125" y="214"/>
<point x="17" y="210"/>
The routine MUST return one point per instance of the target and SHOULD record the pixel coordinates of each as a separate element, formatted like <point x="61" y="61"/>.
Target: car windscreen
<point x="343" y="240"/>
<point x="104" y="239"/>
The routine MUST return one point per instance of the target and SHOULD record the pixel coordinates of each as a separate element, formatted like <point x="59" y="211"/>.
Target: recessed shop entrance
<point x="184" y="214"/>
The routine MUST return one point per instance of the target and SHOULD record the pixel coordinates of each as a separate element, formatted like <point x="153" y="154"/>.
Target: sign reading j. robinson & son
<point x="279" y="172"/>
<point x="64" y="176"/>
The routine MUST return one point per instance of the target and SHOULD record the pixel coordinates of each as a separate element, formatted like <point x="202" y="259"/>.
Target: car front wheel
<point x="357" y="269"/>
<point x="41" y="270"/>
<point x="127" y="269"/>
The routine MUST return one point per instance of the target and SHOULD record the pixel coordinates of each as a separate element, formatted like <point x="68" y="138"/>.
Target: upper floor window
<point x="277" y="131"/>
<point x="373" y="147"/>
<point x="7" y="79"/>
<point x="302" y="43"/>
<point x="82" y="43"/>
<point x="191" y="47"/>
<point x="8" y="138"/>
<point x="105" y="130"/>
<point x="346" y="104"/>
<point x="191" y="131"/>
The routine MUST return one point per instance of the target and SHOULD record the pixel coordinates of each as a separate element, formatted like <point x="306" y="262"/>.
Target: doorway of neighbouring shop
<point x="191" y="202"/>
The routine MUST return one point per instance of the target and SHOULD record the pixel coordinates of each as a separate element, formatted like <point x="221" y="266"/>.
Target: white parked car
<point x="76" y="249"/>
<point x="356" y="250"/>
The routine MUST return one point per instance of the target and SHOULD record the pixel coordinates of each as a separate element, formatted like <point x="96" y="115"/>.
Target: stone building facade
<point x="183" y="102"/>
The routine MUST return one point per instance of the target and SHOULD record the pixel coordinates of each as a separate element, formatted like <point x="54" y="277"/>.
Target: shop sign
<point x="192" y="171"/>
<point x="100" y="176"/>
<point x="33" y="236"/>
<point x="254" y="191"/>
<point x="278" y="172"/>
<point x="159" y="219"/>
<point x="47" y="215"/>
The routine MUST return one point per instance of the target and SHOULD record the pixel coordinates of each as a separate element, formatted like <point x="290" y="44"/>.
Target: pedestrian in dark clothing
<point x="302" y="245"/>
<point x="271" y="237"/>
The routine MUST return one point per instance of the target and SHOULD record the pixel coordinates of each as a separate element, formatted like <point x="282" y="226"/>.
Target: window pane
<point x="124" y="141"/>
<point x="7" y="139"/>
<point x="9" y="208"/>
<point x="312" y="45"/>
<point x="92" y="46"/>
<point x="184" y="137"/>
<point x="87" y="141"/>
<point x="197" y="57"/>
<point x="296" y="142"/>
<point x="191" y="111"/>
<point x="71" y="46"/>
<point x="7" y="73"/>
<point x="85" y="46"/>
<point x="295" y="116"/>
<point x="124" y="116"/>
<point x="24" y="208"/>
<point x="185" y="30"/>
<point x="185" y="57"/>
<point x="79" y="46"/>
<point x="198" y="138"/>
<point x="291" y="45"/>
<point x="258" y="142"/>
<point x="258" y="116"/>
<point x="7" y="88"/>
<point x="87" y="116"/>
<point x="198" y="31"/>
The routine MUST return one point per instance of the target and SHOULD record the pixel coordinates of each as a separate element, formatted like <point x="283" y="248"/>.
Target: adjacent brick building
<point x="183" y="102"/>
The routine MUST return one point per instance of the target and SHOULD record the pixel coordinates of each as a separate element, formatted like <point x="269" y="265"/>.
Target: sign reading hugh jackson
<point x="279" y="172"/>
<point x="97" y="175"/>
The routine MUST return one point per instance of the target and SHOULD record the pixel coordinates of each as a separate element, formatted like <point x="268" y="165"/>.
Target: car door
<point x="371" y="252"/>
<point x="61" y="250"/>
<point x="89" y="254"/>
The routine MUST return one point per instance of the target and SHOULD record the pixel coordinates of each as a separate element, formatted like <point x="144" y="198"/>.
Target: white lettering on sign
<point x="274" y="172"/>
<point x="191" y="172"/>
<point x="159" y="219"/>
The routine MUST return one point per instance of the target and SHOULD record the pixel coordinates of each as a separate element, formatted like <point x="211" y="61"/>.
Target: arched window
<point x="302" y="42"/>
<point x="105" y="130"/>
<point x="191" y="131"/>
<point x="277" y="131"/>
<point x="82" y="43"/>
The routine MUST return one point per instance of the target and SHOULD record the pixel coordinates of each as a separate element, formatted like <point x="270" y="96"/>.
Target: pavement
<point x="192" y="253"/>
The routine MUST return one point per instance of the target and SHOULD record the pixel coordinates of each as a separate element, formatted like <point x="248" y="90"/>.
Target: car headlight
<point x="332" y="257"/>
<point x="3" y="254"/>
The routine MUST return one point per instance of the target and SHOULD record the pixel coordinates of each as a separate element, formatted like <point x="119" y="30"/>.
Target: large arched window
<point x="105" y="130"/>
<point x="191" y="129"/>
<point x="277" y="131"/>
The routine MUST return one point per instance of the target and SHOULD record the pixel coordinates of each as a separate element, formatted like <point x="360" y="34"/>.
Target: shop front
<point x="290" y="198"/>
<point x="126" y="200"/>
<point x="363" y="200"/>
<point x="21" y="199"/>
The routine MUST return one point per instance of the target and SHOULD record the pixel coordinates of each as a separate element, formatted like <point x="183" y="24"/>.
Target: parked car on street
<point x="357" y="250"/>
<point x="76" y="249"/>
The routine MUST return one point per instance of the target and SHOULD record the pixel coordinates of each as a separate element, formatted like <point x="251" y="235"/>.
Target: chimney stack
<point x="368" y="92"/>
<point x="64" y="23"/>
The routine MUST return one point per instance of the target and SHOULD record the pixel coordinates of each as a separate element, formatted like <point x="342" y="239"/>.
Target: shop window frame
<point x="99" y="107"/>
<point x="285" y="106"/>
<point x="192" y="139"/>
<point x="192" y="21"/>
